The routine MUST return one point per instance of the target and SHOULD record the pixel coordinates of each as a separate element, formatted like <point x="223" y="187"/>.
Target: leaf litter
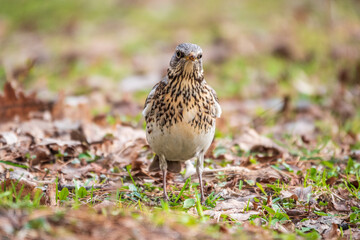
<point x="49" y="154"/>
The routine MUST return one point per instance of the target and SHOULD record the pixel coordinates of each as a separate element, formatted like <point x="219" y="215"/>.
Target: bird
<point x="180" y="114"/>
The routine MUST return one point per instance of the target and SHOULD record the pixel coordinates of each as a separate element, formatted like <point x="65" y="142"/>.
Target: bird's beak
<point x="191" y="57"/>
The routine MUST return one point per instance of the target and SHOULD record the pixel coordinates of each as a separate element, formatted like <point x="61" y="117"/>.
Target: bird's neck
<point x="185" y="76"/>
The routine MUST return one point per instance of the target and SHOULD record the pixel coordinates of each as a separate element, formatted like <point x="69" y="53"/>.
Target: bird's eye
<point x="199" y="56"/>
<point x="179" y="54"/>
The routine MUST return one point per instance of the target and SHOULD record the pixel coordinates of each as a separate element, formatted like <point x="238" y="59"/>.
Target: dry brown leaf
<point x="10" y="153"/>
<point x="322" y="224"/>
<point x="236" y="214"/>
<point x="232" y="204"/>
<point x="333" y="233"/>
<point x="353" y="233"/>
<point x="288" y="194"/>
<point x="267" y="174"/>
<point x="39" y="154"/>
<point x="284" y="227"/>
<point x="20" y="179"/>
<point x="304" y="194"/>
<point x="59" y="107"/>
<point x="331" y="180"/>
<point x="72" y="172"/>
<point x="73" y="107"/>
<point x="104" y="204"/>
<point x="14" y="103"/>
<point x="250" y="138"/>
<point x="340" y="206"/>
<point x="243" y="216"/>
<point x="265" y="149"/>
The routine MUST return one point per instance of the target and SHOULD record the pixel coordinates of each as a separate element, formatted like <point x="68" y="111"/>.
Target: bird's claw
<point x="166" y="198"/>
<point x="202" y="199"/>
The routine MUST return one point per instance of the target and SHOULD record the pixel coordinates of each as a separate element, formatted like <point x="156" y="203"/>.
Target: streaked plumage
<point x="180" y="114"/>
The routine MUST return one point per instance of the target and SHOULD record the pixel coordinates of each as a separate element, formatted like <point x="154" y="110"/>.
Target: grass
<point x="134" y="197"/>
<point x="12" y="198"/>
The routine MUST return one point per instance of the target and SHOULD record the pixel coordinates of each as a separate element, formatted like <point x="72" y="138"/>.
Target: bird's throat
<point x="187" y="73"/>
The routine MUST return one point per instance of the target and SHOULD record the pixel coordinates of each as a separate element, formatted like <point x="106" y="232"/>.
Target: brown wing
<point x="217" y="105"/>
<point x="153" y="94"/>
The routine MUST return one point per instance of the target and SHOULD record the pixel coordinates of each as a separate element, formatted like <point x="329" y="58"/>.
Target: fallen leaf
<point x="243" y="216"/>
<point x="265" y="175"/>
<point x="14" y="103"/>
<point x="321" y="224"/>
<point x="332" y="233"/>
<point x="104" y="204"/>
<point x="232" y="204"/>
<point x="340" y="206"/>
<point x="20" y="179"/>
<point x="285" y="194"/>
<point x="8" y="138"/>
<point x="304" y="194"/>
<point x="264" y="148"/>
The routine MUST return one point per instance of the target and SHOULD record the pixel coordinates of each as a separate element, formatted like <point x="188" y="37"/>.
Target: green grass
<point x="12" y="198"/>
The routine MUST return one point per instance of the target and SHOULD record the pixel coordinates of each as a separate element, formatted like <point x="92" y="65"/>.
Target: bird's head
<point x="187" y="61"/>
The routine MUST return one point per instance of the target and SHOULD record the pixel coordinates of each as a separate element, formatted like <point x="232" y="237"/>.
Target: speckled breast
<point x="181" y="123"/>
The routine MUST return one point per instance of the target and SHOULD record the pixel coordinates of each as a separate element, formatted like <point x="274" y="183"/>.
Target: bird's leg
<point x="199" y="170"/>
<point x="163" y="167"/>
<point x="166" y="198"/>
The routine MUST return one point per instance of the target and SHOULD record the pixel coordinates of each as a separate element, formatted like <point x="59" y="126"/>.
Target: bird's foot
<point x="202" y="199"/>
<point x="166" y="197"/>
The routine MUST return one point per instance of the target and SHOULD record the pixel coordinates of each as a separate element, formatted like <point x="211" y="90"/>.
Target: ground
<point x="285" y="161"/>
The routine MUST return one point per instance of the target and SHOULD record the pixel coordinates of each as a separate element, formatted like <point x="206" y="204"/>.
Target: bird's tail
<point x="172" y="166"/>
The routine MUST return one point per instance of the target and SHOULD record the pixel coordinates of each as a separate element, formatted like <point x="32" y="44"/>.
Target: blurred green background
<point x="252" y="48"/>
